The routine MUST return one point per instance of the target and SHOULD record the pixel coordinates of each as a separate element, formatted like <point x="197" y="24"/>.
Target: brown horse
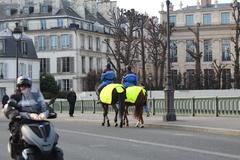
<point x="138" y="104"/>
<point x="116" y="97"/>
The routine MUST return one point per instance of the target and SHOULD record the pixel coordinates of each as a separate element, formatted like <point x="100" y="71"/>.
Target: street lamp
<point x="17" y="35"/>
<point x="150" y="85"/>
<point x="169" y="92"/>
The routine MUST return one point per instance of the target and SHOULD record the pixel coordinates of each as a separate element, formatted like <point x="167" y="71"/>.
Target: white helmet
<point x="24" y="80"/>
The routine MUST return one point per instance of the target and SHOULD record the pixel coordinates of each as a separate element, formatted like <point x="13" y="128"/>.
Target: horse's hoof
<point x="137" y="125"/>
<point x="127" y="125"/>
<point x="108" y="124"/>
<point x="142" y="126"/>
<point x="116" y="124"/>
<point x="103" y="124"/>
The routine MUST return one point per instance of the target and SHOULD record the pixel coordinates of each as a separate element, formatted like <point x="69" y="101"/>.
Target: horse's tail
<point x="141" y="99"/>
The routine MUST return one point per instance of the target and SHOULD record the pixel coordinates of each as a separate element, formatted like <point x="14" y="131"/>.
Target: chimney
<point x="181" y="5"/>
<point x="216" y="4"/>
<point x="206" y="3"/>
<point x="198" y="4"/>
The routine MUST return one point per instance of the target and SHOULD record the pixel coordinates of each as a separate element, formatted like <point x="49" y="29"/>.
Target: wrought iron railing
<point x="211" y="106"/>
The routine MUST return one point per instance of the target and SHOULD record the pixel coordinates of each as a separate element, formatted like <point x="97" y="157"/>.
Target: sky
<point x="152" y="7"/>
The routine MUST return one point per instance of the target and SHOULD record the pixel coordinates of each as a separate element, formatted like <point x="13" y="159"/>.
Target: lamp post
<point x="17" y="35"/>
<point x="169" y="92"/>
<point x="150" y="85"/>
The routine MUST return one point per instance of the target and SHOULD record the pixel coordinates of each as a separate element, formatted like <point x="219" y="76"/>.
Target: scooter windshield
<point x="33" y="102"/>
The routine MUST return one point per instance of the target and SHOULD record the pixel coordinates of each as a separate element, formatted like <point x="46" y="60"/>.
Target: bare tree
<point x="154" y="47"/>
<point x="126" y="44"/>
<point x="196" y="55"/>
<point x="143" y="19"/>
<point x="218" y="68"/>
<point x="236" y="16"/>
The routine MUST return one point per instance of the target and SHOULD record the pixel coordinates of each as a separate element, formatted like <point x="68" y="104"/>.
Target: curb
<point x="221" y="131"/>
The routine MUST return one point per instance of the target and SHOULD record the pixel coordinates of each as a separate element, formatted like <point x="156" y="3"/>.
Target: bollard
<point x="217" y="105"/>
<point x="193" y="107"/>
<point x="82" y="108"/>
<point x="153" y="105"/>
<point x="61" y="107"/>
<point x="94" y="106"/>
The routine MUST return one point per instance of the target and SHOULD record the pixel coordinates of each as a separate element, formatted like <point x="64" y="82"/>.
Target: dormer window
<point x="24" y="48"/>
<point x="8" y="12"/>
<point x="45" y="8"/>
<point x="2" y="46"/>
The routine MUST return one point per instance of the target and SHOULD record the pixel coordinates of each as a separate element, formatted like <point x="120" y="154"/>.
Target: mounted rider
<point x="108" y="76"/>
<point x="130" y="78"/>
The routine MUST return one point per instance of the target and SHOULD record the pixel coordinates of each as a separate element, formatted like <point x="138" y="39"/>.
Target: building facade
<point x="68" y="35"/>
<point x="216" y="30"/>
<point x="28" y="62"/>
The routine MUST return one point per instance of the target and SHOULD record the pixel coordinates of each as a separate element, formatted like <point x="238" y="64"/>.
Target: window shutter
<point x="48" y="65"/>
<point x="5" y="71"/>
<point x="70" y="41"/>
<point x="71" y="64"/>
<point x="47" y="43"/>
<point x="70" y="83"/>
<point x="59" y="65"/>
<point x="36" y="43"/>
<point x="59" y="43"/>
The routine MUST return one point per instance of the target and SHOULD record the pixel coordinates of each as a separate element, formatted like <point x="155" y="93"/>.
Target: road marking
<point x="219" y="154"/>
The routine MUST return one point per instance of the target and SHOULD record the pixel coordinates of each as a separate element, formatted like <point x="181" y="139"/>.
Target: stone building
<point x="216" y="29"/>
<point x="68" y="35"/>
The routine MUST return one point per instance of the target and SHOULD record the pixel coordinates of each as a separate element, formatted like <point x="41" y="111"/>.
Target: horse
<point x="110" y="95"/>
<point x="135" y="96"/>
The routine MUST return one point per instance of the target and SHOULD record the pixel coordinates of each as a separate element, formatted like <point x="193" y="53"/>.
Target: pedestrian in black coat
<point x="5" y="99"/>
<point x="71" y="98"/>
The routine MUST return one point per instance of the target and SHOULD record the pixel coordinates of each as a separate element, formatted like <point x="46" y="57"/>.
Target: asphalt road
<point x="90" y="141"/>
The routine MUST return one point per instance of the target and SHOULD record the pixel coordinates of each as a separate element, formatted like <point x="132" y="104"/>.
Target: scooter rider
<point x="130" y="78"/>
<point x="32" y="104"/>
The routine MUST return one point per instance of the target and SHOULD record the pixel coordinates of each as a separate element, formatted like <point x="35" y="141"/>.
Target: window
<point x="54" y="42"/>
<point x="173" y="51"/>
<point x="189" y="78"/>
<point x="24" y="48"/>
<point x="226" y="50"/>
<point x="207" y="19"/>
<point x="43" y="24"/>
<point x="45" y="65"/>
<point x="98" y="44"/>
<point x="23" y="69"/>
<point x="65" y="84"/>
<point x="207" y="50"/>
<point x="191" y="47"/>
<point x="173" y="19"/>
<point x="83" y="65"/>
<point x="82" y="40"/>
<point x="44" y="9"/>
<point x="90" y="63"/>
<point x="2" y="46"/>
<point x="66" y="41"/>
<point x="30" y="70"/>
<point x="209" y="77"/>
<point x="99" y="64"/>
<point x="225" y="17"/>
<point x="90" y="42"/>
<point x="42" y="43"/>
<point x="226" y="79"/>
<point x="60" y="22"/>
<point x="189" y="20"/>
<point x="107" y="46"/>
<point x="65" y="64"/>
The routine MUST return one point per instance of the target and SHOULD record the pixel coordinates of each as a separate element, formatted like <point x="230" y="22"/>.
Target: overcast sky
<point x="152" y="7"/>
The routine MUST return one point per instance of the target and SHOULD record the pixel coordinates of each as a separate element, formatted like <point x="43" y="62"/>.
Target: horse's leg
<point x="125" y="116"/>
<point x="116" y="113"/>
<point x="104" y="114"/>
<point x="108" y="123"/>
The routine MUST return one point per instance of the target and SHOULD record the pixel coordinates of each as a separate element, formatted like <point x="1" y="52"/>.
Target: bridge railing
<point x="210" y="106"/>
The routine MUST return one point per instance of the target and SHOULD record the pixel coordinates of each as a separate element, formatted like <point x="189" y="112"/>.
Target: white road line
<point x="219" y="154"/>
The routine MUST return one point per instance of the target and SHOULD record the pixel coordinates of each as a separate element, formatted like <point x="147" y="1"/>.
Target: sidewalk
<point x="216" y="125"/>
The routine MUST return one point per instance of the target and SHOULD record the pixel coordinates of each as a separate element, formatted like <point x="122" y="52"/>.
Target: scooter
<point x="37" y="139"/>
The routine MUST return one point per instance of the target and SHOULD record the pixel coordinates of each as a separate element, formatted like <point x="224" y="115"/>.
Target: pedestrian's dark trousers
<point x="71" y="109"/>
